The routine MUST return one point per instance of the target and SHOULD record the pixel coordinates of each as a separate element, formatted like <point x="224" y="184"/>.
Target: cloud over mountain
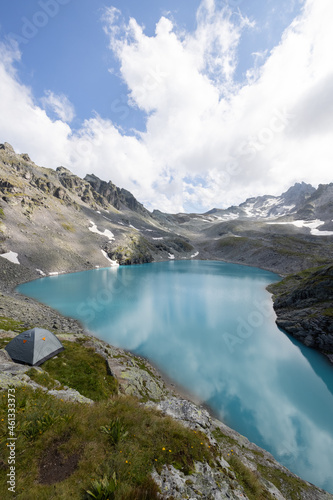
<point x="210" y="139"/>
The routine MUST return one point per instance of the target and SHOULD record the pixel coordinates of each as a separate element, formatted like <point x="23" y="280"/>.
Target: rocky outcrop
<point x="211" y="481"/>
<point x="319" y="205"/>
<point x="136" y="250"/>
<point x="115" y="196"/>
<point x="60" y="183"/>
<point x="303" y="304"/>
<point x="136" y="377"/>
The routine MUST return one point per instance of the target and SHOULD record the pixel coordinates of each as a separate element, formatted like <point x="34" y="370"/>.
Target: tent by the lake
<point x="33" y="347"/>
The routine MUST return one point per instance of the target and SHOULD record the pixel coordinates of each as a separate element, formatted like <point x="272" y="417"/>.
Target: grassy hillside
<point x="113" y="446"/>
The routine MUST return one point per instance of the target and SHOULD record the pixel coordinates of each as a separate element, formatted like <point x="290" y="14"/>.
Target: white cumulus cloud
<point x="60" y="105"/>
<point x="209" y="140"/>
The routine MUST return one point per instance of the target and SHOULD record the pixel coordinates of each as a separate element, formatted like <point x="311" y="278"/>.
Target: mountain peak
<point x="7" y="147"/>
<point x="298" y="188"/>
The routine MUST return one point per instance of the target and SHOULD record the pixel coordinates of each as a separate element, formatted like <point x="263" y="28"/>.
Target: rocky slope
<point x="267" y="231"/>
<point x="56" y="222"/>
<point x="303" y="304"/>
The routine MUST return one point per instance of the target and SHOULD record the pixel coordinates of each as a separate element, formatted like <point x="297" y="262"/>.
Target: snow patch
<point x="227" y="217"/>
<point x="40" y="272"/>
<point x="105" y="233"/>
<point x="114" y="263"/>
<point x="194" y="255"/>
<point x="201" y="219"/>
<point x="136" y="229"/>
<point x="288" y="207"/>
<point x="310" y="224"/>
<point x="316" y="232"/>
<point x="158" y="238"/>
<point x="171" y="256"/>
<point x="11" y="256"/>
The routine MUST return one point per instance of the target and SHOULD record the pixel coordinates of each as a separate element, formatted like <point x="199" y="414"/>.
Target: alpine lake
<point x="210" y="327"/>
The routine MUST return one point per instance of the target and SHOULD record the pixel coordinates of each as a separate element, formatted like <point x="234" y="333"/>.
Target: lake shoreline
<point x="66" y="324"/>
<point x="52" y="319"/>
<point x="13" y="275"/>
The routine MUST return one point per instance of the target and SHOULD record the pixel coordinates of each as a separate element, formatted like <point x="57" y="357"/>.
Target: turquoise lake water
<point x="210" y="326"/>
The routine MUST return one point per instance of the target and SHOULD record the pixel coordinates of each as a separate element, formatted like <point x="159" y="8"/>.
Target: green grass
<point x="104" y="489"/>
<point x="221" y="437"/>
<point x="257" y="453"/>
<point x="307" y="277"/>
<point x="249" y="480"/>
<point x="232" y="241"/>
<point x="291" y="253"/>
<point x="180" y="245"/>
<point x="328" y="312"/>
<point x="82" y="369"/>
<point x="237" y="241"/>
<point x="68" y="227"/>
<point x="42" y="378"/>
<point x="2" y="214"/>
<point x="4" y="342"/>
<point x="291" y="487"/>
<point x="152" y="440"/>
<point x="9" y="324"/>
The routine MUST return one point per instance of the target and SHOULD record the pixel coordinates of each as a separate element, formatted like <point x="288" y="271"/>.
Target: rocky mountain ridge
<point x="268" y="206"/>
<point x="53" y="221"/>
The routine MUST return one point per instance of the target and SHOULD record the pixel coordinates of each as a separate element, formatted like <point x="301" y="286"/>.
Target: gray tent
<point x="33" y="347"/>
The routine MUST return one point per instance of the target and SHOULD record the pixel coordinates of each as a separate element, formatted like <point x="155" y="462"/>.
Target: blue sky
<point x="150" y="84"/>
<point x="70" y="54"/>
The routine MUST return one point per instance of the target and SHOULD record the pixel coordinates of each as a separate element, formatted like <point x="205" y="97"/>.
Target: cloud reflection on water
<point x="267" y="387"/>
